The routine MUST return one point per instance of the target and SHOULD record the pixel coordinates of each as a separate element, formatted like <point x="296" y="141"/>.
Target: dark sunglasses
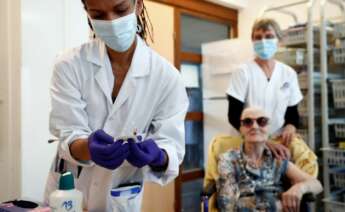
<point x="261" y="121"/>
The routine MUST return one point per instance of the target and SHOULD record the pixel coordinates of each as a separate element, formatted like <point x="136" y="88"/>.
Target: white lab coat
<point x="249" y="85"/>
<point x="152" y="100"/>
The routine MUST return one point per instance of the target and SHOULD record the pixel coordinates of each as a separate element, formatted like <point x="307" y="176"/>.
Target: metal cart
<point x="333" y="112"/>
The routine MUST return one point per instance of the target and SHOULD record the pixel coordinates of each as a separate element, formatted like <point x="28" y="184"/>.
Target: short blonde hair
<point x="265" y="24"/>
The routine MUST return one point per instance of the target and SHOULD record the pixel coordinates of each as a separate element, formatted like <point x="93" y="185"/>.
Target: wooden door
<point x="157" y="198"/>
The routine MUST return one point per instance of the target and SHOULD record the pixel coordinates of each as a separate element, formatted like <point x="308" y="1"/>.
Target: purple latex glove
<point x="105" y="152"/>
<point x="145" y="153"/>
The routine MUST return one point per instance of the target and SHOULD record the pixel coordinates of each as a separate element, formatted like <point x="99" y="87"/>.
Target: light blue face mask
<point x="118" y="34"/>
<point x="266" y="48"/>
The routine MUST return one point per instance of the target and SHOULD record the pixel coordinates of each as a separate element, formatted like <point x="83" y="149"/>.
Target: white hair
<point x="254" y="109"/>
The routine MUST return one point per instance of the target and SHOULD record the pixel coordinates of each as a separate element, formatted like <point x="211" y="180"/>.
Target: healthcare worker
<point x="105" y="90"/>
<point x="267" y="83"/>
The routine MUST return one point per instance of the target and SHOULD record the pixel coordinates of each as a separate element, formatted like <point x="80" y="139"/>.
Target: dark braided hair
<point x="144" y="23"/>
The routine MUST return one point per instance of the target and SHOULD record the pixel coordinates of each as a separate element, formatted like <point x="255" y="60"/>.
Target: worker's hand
<point x="287" y="135"/>
<point x="105" y="152"/>
<point x="291" y="199"/>
<point x="279" y="151"/>
<point x="145" y="153"/>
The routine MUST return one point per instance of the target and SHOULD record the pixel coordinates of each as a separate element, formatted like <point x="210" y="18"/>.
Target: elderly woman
<point x="250" y="178"/>
<point x="267" y="83"/>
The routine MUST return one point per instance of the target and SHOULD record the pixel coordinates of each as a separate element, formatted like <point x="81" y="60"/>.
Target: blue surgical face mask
<point x="266" y="48"/>
<point x="118" y="34"/>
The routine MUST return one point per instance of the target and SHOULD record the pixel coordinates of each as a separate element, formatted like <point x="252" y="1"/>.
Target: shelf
<point x="335" y="201"/>
<point x="333" y="121"/>
<point x="337" y="170"/>
<point x="335" y="76"/>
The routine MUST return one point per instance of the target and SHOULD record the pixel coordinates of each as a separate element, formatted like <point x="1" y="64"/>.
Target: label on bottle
<point x="65" y="206"/>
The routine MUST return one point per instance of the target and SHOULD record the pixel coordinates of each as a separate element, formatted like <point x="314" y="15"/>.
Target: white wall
<point x="48" y="27"/>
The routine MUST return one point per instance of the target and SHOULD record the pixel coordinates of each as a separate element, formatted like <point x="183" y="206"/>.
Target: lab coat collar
<point x="140" y="60"/>
<point x="139" y="67"/>
<point x="96" y="52"/>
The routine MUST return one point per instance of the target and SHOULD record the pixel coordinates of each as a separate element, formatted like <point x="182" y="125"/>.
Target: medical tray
<point x="342" y="43"/>
<point x="292" y="56"/>
<point x="297" y="36"/>
<point x="296" y="56"/>
<point x="338" y="89"/>
<point x="339" y="55"/>
<point x="334" y="156"/>
<point x="339" y="130"/>
<point x="339" y="180"/>
<point x="336" y="202"/>
<point x="339" y="30"/>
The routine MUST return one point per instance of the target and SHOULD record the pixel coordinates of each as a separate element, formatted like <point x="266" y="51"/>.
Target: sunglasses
<point x="261" y="121"/>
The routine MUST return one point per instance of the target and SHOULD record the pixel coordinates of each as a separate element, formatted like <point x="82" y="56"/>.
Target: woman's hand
<point x="287" y="135"/>
<point x="291" y="199"/>
<point x="106" y="152"/>
<point x="146" y="152"/>
<point x="279" y="151"/>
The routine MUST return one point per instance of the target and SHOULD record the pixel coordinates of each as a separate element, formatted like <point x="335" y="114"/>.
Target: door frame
<point x="181" y="56"/>
<point x="11" y="65"/>
<point x="205" y="10"/>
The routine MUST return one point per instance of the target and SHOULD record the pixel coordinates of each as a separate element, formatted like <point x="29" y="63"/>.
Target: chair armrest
<point x="208" y="190"/>
<point x="308" y="197"/>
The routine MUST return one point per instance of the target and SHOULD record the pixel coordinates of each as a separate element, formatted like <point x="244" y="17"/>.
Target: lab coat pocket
<point x="126" y="198"/>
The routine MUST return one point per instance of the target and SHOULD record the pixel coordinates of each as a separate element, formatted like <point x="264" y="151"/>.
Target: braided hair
<point x="145" y="27"/>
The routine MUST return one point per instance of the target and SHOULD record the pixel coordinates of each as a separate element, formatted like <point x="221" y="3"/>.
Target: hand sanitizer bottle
<point x="67" y="198"/>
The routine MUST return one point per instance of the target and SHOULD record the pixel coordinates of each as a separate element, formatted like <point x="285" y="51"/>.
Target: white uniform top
<point x="152" y="100"/>
<point x="250" y="85"/>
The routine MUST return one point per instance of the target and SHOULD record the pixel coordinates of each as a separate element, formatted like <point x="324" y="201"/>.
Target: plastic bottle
<point x="67" y="198"/>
